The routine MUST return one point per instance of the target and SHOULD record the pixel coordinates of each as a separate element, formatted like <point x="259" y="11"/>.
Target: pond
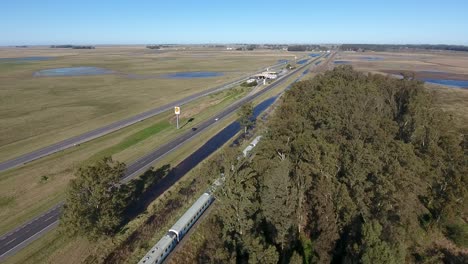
<point x="371" y="58"/>
<point x="282" y="61"/>
<point x="313" y="55"/>
<point x="455" y="83"/>
<point x="302" y="61"/>
<point x="25" y="59"/>
<point x="72" y="71"/>
<point x="190" y="75"/>
<point x="341" y="62"/>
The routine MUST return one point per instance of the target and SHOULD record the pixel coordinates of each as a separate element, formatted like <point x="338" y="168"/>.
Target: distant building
<point x="266" y="75"/>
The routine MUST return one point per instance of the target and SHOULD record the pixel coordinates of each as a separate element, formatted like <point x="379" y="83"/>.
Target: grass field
<point x="56" y="248"/>
<point x="38" y="111"/>
<point x="31" y="189"/>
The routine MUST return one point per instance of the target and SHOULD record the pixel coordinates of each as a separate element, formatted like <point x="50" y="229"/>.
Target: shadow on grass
<point x="188" y="121"/>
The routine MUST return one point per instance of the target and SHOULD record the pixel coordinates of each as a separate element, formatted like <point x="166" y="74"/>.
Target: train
<point x="159" y="252"/>
<point x="168" y="242"/>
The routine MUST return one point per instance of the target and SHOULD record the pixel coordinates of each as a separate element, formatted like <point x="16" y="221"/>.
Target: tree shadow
<point x="143" y="190"/>
<point x="188" y="121"/>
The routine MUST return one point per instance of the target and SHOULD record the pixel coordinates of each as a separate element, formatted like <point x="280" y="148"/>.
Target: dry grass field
<point x="37" y="111"/>
<point x="31" y="189"/>
<point x="443" y="65"/>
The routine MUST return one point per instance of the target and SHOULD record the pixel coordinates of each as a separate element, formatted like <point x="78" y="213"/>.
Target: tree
<point x="367" y="165"/>
<point x="373" y="248"/>
<point x="95" y="200"/>
<point x="278" y="202"/>
<point x="246" y="116"/>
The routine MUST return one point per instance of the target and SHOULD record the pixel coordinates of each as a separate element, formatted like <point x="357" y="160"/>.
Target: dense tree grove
<point x="305" y="47"/>
<point x="353" y="168"/>
<point x="71" y="47"/>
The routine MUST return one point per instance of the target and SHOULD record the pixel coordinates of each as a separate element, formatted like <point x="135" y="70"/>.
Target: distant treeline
<point x="385" y="47"/>
<point x="275" y="46"/>
<point x="157" y="46"/>
<point x="153" y="47"/>
<point x="305" y="47"/>
<point x="71" y="47"/>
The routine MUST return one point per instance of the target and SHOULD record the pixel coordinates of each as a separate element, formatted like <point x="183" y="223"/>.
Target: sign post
<point x="177" y="112"/>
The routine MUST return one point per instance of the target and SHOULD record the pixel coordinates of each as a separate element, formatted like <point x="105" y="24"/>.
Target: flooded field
<point x="72" y="71"/>
<point x="190" y="75"/>
<point x="448" y="69"/>
<point x="448" y="82"/>
<point x="341" y="62"/>
<point x="25" y="59"/>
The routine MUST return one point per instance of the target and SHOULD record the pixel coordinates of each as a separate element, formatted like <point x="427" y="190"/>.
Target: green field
<point x="31" y="189"/>
<point x="38" y="111"/>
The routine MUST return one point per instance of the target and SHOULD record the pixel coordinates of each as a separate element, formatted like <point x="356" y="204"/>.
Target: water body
<point x="72" y="71"/>
<point x="433" y="71"/>
<point x="371" y="58"/>
<point x="313" y="55"/>
<point x="140" y="76"/>
<point x="216" y="142"/>
<point x="302" y="61"/>
<point x="455" y="83"/>
<point x="190" y="75"/>
<point x="341" y="62"/>
<point x="282" y="61"/>
<point x="25" y="59"/>
<point x="306" y="71"/>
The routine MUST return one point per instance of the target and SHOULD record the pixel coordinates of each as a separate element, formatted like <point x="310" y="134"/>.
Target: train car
<point x="251" y="146"/>
<point x="182" y="226"/>
<point x="161" y="250"/>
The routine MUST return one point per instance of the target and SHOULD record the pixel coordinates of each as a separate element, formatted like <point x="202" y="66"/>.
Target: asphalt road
<point x="67" y="143"/>
<point x="17" y="239"/>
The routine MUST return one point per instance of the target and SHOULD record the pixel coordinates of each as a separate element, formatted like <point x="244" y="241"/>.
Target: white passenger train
<point x="166" y="244"/>
<point x="251" y="146"/>
<point x="162" y="249"/>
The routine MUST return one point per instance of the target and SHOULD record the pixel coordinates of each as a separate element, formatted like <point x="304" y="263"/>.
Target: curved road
<point x="67" y="143"/>
<point x="17" y="239"/>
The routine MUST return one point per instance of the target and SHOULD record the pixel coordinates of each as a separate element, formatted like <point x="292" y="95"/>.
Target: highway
<point x="17" y="239"/>
<point x="73" y="141"/>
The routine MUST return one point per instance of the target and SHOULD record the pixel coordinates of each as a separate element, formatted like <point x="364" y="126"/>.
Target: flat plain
<point x="36" y="111"/>
<point x="54" y="247"/>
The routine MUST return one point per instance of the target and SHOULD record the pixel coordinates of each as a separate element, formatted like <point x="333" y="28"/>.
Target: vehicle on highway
<point x="216" y="119"/>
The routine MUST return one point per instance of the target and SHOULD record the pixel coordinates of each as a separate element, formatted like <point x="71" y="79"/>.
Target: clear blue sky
<point x="28" y="22"/>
